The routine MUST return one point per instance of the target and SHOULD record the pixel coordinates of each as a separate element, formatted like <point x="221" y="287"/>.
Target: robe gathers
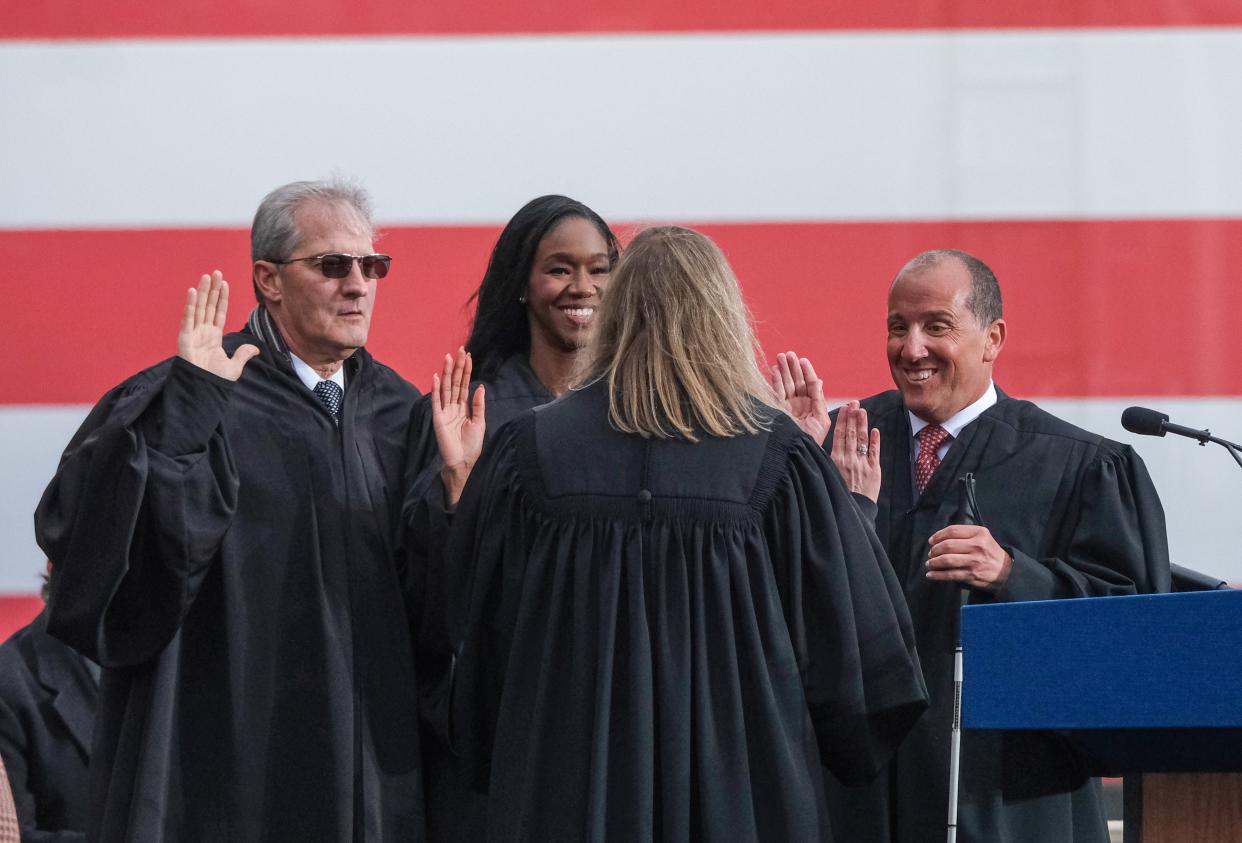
<point x="229" y="554"/>
<point x="1080" y="517"/>
<point x="663" y="640"/>
<point x="456" y="813"/>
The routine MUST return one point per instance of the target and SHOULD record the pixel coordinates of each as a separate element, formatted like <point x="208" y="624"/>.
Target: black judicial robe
<point x="455" y="811"/>
<point x="47" y="718"/>
<point x="664" y="640"/>
<point x="1080" y="516"/>
<point x="228" y="554"/>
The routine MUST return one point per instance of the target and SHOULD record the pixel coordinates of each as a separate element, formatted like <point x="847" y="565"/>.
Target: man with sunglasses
<point x="227" y="529"/>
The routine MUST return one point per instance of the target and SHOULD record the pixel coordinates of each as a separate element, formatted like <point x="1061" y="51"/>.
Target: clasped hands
<point x="969" y="555"/>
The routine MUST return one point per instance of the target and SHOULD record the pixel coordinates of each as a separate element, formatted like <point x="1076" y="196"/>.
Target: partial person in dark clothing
<point x="1065" y="513"/>
<point x="48" y="694"/>
<point x="535" y="312"/>
<point x="674" y="611"/>
<point x="9" y="831"/>
<point x="227" y="532"/>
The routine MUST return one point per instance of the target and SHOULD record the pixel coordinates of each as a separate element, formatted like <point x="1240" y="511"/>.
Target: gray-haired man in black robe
<point x="226" y="526"/>
<point x="1067" y="514"/>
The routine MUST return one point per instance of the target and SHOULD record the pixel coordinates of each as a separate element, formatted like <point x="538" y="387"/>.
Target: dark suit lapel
<point x="896" y="497"/>
<point x="61" y="672"/>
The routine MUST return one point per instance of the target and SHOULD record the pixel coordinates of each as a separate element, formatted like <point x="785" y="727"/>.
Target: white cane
<point x="968" y="513"/>
<point x="955" y="741"/>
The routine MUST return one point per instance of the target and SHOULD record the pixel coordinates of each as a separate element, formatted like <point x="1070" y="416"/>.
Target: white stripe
<point x="822" y="126"/>
<point x="1199" y="486"/>
<point x="33" y="439"/>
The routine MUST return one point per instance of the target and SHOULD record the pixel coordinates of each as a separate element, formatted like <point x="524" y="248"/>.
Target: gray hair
<point x="984" y="300"/>
<point x="274" y="233"/>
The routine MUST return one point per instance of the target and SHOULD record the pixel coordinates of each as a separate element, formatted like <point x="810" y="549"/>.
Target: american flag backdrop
<point x="1089" y="151"/>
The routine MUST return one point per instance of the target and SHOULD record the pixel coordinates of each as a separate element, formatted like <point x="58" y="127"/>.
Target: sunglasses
<point x="339" y="265"/>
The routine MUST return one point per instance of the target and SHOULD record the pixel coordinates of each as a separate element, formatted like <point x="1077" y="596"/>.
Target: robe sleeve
<point x="486" y="548"/>
<point x="1118" y="543"/>
<point x="136" y="513"/>
<point x="847" y="617"/>
<point x="427" y="523"/>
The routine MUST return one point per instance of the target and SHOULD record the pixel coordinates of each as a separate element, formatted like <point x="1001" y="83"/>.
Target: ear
<point x="993" y="341"/>
<point x="266" y="280"/>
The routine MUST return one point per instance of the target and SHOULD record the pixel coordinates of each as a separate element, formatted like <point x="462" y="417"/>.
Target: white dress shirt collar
<point x="962" y="418"/>
<point x="311" y="378"/>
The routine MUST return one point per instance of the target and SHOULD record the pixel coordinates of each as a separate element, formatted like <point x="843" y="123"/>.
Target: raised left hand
<point x="800" y="393"/>
<point x="856" y="452"/>
<point x="967" y="554"/>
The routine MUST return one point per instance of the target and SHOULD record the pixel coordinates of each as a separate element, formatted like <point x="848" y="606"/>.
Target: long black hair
<point x="500" y="328"/>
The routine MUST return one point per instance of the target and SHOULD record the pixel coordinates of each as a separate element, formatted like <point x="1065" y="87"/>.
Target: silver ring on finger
<point x="862" y="450"/>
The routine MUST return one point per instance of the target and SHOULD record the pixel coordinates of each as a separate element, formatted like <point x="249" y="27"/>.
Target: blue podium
<point x="1142" y="685"/>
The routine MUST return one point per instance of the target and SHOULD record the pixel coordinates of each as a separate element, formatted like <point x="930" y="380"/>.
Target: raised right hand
<point x="202" y="330"/>
<point x="856" y="452"/>
<point x="458" y="421"/>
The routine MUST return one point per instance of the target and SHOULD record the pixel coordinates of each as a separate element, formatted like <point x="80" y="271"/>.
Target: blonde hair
<point x="674" y="342"/>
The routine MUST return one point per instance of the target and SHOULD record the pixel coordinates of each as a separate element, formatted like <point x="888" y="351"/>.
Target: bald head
<point x="984" y="298"/>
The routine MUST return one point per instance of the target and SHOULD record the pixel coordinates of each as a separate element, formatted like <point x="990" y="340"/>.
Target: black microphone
<point x="1152" y="423"/>
<point x="1143" y="421"/>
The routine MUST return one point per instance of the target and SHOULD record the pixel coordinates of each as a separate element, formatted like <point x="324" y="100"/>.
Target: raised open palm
<point x="458" y="421"/>
<point x="800" y="393"/>
<point x="202" y="330"/>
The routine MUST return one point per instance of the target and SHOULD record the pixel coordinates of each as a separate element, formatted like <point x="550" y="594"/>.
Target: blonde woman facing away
<point x="671" y="610"/>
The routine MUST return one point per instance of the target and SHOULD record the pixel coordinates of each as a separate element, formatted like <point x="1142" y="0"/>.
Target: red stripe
<point x="253" y="18"/>
<point x="1094" y="308"/>
<point x="17" y="610"/>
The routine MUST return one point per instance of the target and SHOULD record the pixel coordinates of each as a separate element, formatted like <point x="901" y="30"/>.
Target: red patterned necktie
<point x="930" y="440"/>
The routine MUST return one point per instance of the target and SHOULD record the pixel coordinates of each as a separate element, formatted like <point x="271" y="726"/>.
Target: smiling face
<point x="567" y="277"/>
<point x="940" y="357"/>
<point x="324" y="320"/>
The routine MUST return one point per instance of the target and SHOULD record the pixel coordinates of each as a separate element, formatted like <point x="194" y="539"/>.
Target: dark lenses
<point x="375" y="266"/>
<point x="338" y="266"/>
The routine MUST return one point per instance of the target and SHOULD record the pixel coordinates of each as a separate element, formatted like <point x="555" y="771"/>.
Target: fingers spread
<point x="200" y="305"/>
<point x="815" y="389"/>
<point x="222" y="304"/>
<point x="787" y="375"/>
<point x="213" y="299"/>
<point x="445" y="383"/>
<point x="778" y="384"/>
<point x="191" y="305"/>
<point x="799" y="378"/>
<point x="808" y="372"/>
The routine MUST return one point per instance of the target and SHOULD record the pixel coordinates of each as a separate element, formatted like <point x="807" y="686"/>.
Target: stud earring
<point x="522" y="299"/>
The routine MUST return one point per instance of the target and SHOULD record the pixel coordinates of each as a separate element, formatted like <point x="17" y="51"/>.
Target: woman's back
<point x="664" y="639"/>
